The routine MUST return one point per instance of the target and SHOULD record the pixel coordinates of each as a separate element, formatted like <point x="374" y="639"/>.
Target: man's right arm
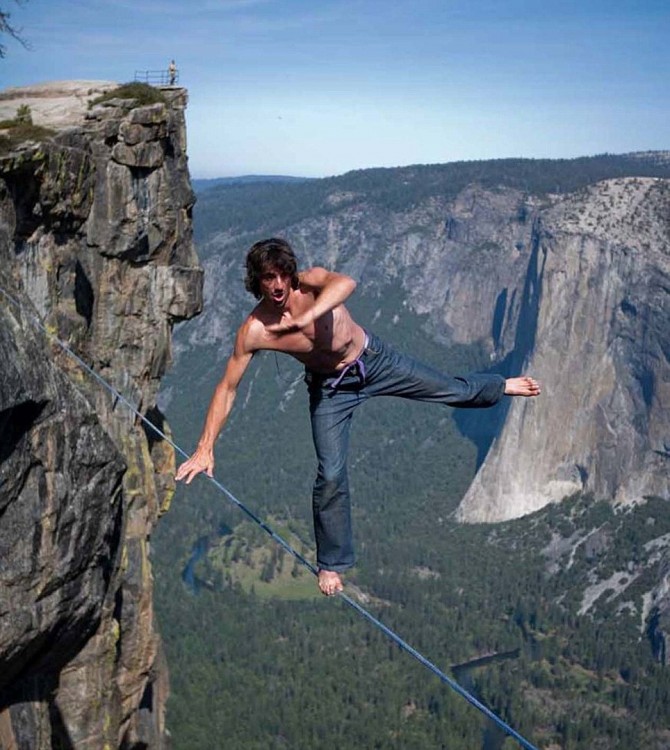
<point x="219" y="409"/>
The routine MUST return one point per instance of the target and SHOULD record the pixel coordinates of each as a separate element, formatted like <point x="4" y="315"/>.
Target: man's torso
<point x="326" y="345"/>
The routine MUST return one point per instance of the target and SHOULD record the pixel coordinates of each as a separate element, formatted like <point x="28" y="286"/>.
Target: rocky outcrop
<point x="599" y="326"/>
<point x="95" y="240"/>
<point x="55" y="104"/>
<point x="658" y="620"/>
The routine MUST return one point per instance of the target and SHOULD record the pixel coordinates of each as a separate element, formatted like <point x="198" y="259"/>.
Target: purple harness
<point x="358" y="365"/>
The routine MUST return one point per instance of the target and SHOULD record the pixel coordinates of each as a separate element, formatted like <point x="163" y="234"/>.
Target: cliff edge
<point x="96" y="241"/>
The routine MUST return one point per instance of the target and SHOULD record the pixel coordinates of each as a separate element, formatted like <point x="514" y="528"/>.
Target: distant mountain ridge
<point x="204" y="183"/>
<point x="266" y="206"/>
<point x="468" y="243"/>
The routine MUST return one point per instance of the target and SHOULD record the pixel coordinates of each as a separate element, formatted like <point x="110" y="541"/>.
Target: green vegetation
<point x="248" y="558"/>
<point x="142" y="93"/>
<point x="270" y="672"/>
<point x="24" y="115"/>
<point x="19" y="129"/>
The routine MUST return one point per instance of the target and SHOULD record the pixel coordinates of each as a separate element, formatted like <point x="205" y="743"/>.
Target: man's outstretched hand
<point x="201" y="460"/>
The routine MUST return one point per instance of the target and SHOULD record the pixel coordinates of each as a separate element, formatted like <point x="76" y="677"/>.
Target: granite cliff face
<point x="598" y="333"/>
<point x="95" y="240"/>
<point x="598" y="306"/>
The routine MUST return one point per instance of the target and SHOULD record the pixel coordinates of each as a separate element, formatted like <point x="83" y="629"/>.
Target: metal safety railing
<point x="158" y="77"/>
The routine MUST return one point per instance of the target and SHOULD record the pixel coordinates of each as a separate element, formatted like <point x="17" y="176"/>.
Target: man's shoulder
<point x="252" y="329"/>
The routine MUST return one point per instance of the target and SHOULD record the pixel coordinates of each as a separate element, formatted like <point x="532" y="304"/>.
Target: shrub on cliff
<point x="20" y="129"/>
<point x="142" y="93"/>
<point x="24" y="115"/>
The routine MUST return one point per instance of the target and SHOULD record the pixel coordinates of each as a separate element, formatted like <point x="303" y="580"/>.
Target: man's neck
<point x="273" y="310"/>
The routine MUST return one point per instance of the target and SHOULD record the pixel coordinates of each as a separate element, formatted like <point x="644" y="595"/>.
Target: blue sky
<point x="319" y="87"/>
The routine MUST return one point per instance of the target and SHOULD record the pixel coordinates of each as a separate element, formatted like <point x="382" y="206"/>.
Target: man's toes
<point x="329" y="583"/>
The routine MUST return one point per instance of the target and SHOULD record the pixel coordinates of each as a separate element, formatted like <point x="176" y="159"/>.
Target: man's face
<point x="275" y="286"/>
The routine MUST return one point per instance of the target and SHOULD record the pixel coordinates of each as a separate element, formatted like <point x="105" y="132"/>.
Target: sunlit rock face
<point x="55" y="104"/>
<point x="95" y="241"/>
<point x="598" y="302"/>
<point x="595" y="327"/>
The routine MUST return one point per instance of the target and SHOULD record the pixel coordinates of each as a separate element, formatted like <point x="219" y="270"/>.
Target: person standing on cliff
<point x="172" y="72"/>
<point x="303" y="314"/>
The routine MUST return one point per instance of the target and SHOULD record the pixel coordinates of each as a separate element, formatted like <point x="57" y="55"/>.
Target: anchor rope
<point x="400" y="642"/>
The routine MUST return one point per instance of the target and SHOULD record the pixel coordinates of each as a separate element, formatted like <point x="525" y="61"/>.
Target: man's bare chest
<point x="316" y="336"/>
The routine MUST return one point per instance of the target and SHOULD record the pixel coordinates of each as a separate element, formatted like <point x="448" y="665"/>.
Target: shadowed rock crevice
<point x="60" y="737"/>
<point x="15" y="422"/>
<point x="498" y="318"/>
<point x="484" y="427"/>
<point x="84" y="296"/>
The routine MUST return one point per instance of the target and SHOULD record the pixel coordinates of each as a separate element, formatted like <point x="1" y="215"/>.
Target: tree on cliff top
<point x="8" y="28"/>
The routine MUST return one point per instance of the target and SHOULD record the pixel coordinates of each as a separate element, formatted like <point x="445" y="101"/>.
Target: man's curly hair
<point x="273" y="253"/>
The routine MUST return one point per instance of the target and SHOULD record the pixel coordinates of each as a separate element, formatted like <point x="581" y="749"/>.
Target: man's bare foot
<point x="330" y="582"/>
<point x="523" y="386"/>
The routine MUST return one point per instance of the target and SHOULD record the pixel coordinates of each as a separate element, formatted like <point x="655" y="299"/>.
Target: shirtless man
<point x="303" y="314"/>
